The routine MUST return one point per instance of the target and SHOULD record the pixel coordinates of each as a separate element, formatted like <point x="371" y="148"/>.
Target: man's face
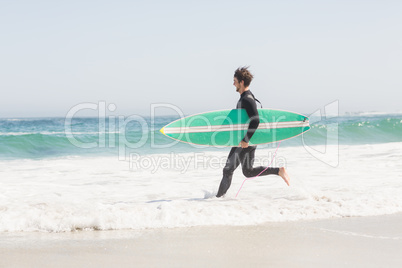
<point x="236" y="84"/>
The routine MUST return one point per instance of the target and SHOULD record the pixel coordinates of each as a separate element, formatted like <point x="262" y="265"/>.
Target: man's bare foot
<point x="284" y="175"/>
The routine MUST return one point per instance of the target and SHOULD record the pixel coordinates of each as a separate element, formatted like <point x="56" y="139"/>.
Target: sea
<point x="121" y="173"/>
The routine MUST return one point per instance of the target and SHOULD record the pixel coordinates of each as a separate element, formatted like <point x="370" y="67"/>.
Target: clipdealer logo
<point x="107" y="127"/>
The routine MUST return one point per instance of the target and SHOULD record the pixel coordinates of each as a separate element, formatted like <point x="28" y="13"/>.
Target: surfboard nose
<point x="162" y="130"/>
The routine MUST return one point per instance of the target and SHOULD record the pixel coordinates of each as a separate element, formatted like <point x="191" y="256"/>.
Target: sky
<point x="181" y="55"/>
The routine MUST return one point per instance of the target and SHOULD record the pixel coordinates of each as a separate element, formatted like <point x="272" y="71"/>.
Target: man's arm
<point x="251" y="109"/>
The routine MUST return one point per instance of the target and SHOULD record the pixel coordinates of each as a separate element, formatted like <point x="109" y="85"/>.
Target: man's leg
<point x="248" y="162"/>
<point x="232" y="163"/>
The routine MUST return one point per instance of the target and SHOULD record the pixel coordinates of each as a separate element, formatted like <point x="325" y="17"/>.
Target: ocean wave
<point x="47" y="137"/>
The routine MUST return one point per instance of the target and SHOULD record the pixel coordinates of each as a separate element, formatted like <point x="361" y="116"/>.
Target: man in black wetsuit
<point x="244" y="154"/>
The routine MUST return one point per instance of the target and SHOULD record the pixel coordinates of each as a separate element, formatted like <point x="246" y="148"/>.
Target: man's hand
<point x="243" y="144"/>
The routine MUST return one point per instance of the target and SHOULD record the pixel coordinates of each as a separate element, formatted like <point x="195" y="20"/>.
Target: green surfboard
<point x="228" y="127"/>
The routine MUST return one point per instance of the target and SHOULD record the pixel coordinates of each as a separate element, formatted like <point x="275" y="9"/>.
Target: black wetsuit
<point x="244" y="156"/>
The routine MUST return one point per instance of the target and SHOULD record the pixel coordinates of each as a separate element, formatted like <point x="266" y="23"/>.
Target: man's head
<point x="242" y="79"/>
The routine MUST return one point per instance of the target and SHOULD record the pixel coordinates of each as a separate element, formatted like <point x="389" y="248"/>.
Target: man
<point x="244" y="154"/>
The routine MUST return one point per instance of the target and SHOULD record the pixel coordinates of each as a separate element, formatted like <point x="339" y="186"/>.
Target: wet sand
<point x="345" y="242"/>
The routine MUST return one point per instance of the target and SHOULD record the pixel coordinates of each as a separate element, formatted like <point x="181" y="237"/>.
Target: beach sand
<point x="344" y="242"/>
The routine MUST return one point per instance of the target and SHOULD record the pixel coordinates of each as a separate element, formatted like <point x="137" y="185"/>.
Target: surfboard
<point x="228" y="127"/>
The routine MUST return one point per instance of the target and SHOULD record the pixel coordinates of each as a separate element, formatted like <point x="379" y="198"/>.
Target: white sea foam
<point x="73" y="193"/>
<point x="55" y="133"/>
<point x="13" y="119"/>
<point x="371" y="113"/>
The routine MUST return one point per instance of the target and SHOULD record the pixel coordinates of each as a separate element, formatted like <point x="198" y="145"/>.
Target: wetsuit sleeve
<point x="251" y="109"/>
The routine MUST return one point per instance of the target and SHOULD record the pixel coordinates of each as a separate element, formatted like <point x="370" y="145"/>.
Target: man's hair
<point x="243" y="74"/>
